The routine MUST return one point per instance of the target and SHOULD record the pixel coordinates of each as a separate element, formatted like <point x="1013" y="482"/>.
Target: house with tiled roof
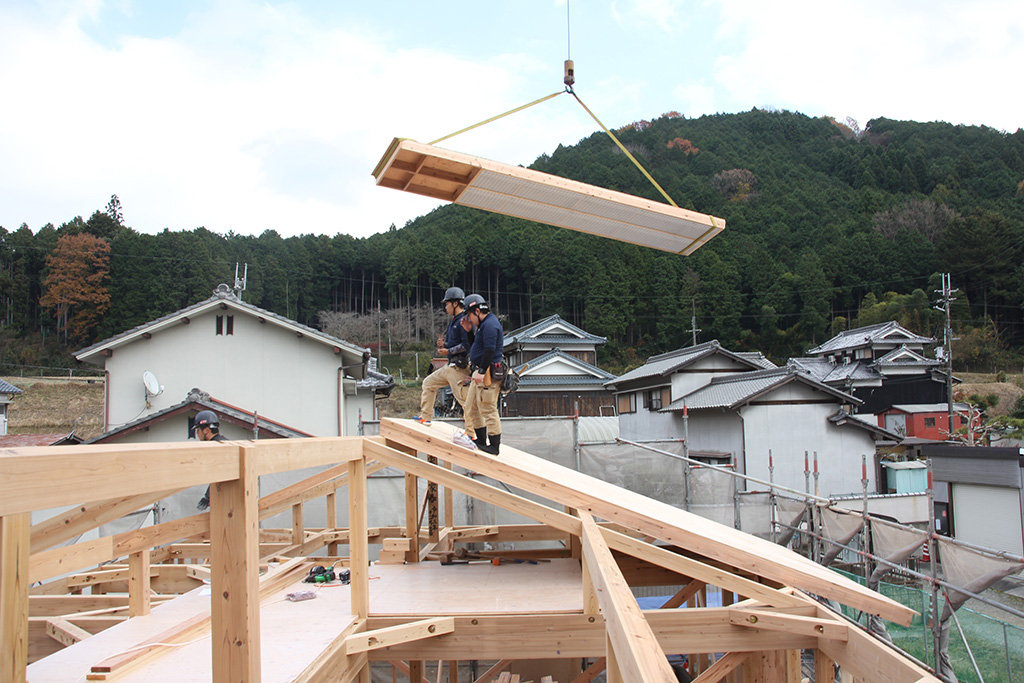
<point x="557" y="366"/>
<point x="768" y="419"/>
<point x="557" y="383"/>
<point x="882" y="365"/>
<point x="7" y="393"/>
<point x="642" y="393"/>
<point x="260" y="363"/>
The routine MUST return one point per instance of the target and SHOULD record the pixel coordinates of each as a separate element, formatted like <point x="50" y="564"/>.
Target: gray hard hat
<point x="453" y="294"/>
<point x="475" y="301"/>
<point x="207" y="418"/>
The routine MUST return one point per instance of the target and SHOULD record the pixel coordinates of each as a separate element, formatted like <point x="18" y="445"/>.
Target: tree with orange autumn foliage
<point x="75" y="288"/>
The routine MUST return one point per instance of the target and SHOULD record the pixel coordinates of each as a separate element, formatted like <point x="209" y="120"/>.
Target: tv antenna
<point x="240" y="282"/>
<point x="153" y="387"/>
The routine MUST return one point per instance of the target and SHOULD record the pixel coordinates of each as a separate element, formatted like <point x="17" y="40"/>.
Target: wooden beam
<point x="592" y="671"/>
<point x="777" y="621"/>
<point x="285" y="455"/>
<point x="652" y="517"/>
<point x="14" y="582"/>
<point x="636" y="648"/>
<point x="234" y="574"/>
<point x="82" y="518"/>
<point x="567" y="523"/>
<point x="387" y="637"/>
<point x="412" y="520"/>
<point x="64" y="632"/>
<point x="723" y="667"/>
<point x="59" y="476"/>
<point x="868" y="658"/>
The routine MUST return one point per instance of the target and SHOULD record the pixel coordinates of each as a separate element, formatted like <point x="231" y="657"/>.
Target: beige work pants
<point x="481" y="408"/>
<point x="448" y="375"/>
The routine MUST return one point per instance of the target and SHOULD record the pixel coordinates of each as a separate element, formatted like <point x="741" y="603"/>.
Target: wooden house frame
<point x="603" y="538"/>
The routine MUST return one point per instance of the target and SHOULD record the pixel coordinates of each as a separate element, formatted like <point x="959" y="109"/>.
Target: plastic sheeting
<point x="840" y="528"/>
<point x="789" y="513"/>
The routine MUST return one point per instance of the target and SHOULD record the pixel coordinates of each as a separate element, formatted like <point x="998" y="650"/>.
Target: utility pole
<point x="240" y="282"/>
<point x="693" y="321"/>
<point x="947" y="343"/>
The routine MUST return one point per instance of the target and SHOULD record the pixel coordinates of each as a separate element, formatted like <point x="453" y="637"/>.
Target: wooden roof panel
<point x="524" y="193"/>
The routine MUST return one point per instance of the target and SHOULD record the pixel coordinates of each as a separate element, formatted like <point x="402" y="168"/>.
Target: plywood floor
<point x="293" y="633"/>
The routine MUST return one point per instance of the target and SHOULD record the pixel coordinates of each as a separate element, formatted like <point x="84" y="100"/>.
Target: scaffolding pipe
<point x="911" y="572"/>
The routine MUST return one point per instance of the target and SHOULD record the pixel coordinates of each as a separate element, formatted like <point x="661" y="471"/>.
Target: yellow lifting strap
<point x="499" y="116"/>
<point x="624" y="150"/>
<point x="569" y="90"/>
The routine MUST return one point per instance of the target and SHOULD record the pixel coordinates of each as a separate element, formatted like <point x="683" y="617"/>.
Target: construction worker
<point x="454" y="345"/>
<point x="485" y="356"/>
<point x="207" y="428"/>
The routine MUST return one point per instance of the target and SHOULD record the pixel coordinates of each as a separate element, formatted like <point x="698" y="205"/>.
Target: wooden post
<point x="358" y="544"/>
<point x="449" y="501"/>
<point x="824" y="668"/>
<point x="416" y="671"/>
<point x="612" y="673"/>
<point x="433" y="523"/>
<point x="412" y="520"/>
<point x="298" y="525"/>
<point x="332" y="521"/>
<point x="138" y="584"/>
<point x="234" y="574"/>
<point x="14" y="552"/>
<point x="358" y="549"/>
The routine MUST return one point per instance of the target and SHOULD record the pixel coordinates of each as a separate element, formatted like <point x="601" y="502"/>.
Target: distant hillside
<point x="827" y="228"/>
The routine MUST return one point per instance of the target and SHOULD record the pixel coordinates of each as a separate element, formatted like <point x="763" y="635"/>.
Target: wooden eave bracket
<point x="771" y="620"/>
<point x="393" y="635"/>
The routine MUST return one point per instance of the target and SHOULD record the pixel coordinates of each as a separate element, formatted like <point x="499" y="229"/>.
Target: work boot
<point x="481" y="438"/>
<point x="492" y="447"/>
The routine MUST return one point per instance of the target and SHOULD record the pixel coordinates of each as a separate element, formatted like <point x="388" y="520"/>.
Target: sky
<point x="244" y="116"/>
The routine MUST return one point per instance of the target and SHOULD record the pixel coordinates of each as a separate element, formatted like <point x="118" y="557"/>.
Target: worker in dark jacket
<point x="207" y="428"/>
<point x="453" y="345"/>
<point x="485" y="356"/>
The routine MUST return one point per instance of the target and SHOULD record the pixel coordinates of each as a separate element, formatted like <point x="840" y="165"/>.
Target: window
<point x="654" y="398"/>
<point x="929" y="422"/>
<point x="220" y="324"/>
<point x="231" y="324"/>
<point x="626" y="403"/>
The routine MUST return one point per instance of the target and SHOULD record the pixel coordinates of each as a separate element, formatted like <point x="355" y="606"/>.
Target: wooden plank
<point x="50" y="477"/>
<point x="359" y="551"/>
<point x="720" y="669"/>
<point x="777" y="621"/>
<point x="82" y="518"/>
<point x="412" y="519"/>
<point x="14" y="581"/>
<point x="234" y="574"/>
<point x="494" y="671"/>
<point x="332" y="664"/>
<point x="636" y="649"/>
<point x="657" y="519"/>
<point x="387" y="637"/>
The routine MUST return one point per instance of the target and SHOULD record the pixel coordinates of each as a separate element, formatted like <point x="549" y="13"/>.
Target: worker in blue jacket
<point x="485" y="362"/>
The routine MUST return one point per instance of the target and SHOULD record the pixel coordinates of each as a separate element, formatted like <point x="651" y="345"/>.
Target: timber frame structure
<point x="602" y="539"/>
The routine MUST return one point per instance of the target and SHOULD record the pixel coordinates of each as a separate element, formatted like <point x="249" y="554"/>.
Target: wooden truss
<point x="464" y="179"/>
<point x="148" y="617"/>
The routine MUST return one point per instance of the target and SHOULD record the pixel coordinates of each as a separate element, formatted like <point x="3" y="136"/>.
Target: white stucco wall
<point x="790" y="430"/>
<point x="260" y="367"/>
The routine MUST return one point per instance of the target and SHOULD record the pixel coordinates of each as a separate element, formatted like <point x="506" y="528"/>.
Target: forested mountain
<point x="827" y="227"/>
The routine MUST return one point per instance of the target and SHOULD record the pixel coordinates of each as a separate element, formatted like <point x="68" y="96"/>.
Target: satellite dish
<point x="153" y="387"/>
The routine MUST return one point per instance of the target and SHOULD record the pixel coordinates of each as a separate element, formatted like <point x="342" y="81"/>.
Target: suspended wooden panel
<point x="464" y="179"/>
